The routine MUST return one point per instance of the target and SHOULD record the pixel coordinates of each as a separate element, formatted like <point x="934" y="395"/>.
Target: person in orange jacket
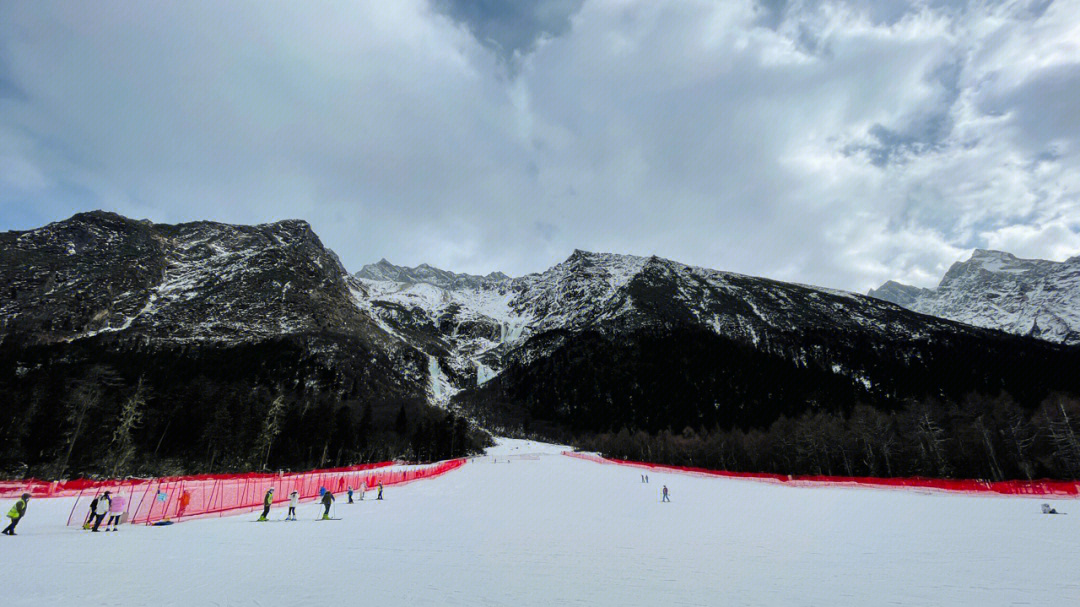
<point x="185" y="499"/>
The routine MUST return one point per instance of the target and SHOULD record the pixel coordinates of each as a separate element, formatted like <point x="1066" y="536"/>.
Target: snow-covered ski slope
<point x="555" y="530"/>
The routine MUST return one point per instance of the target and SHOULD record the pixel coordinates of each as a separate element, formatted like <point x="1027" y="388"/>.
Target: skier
<point x="363" y="488"/>
<point x="17" y="512"/>
<point x="90" y="515"/>
<point x="185" y="499"/>
<point x="267" y="500"/>
<point x="294" y="501"/>
<point x="103" y="504"/>
<point x="327" y="499"/>
<point x="380" y="491"/>
<point x="116" y="510"/>
<point x="666" y="498"/>
<point x="646" y="479"/>
<point x="350" y="494"/>
<point x="1048" y="510"/>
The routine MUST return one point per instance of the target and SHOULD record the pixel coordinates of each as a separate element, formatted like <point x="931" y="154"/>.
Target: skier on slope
<point x="327" y="499"/>
<point x="16" y="514"/>
<point x="116" y="510"/>
<point x="185" y="499"/>
<point x="93" y="512"/>
<point x="267" y="500"/>
<point x="666" y="498"/>
<point x="380" y="491"/>
<point x="363" y="488"/>
<point x="294" y="501"/>
<point x="103" y="504"/>
<point x="350" y="494"/>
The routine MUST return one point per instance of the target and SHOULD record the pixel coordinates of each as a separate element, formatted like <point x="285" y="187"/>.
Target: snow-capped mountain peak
<point x="998" y="290"/>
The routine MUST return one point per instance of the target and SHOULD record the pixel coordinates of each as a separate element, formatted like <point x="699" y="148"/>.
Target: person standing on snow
<point x="93" y="512"/>
<point x="327" y="499"/>
<point x="666" y="498"/>
<point x="267" y="500"/>
<point x="294" y="501"/>
<point x="380" y="491"/>
<point x="116" y="510"/>
<point x="350" y="494"/>
<point x="17" y="512"/>
<point x="185" y="499"/>
<point x="103" y="504"/>
<point x="363" y="488"/>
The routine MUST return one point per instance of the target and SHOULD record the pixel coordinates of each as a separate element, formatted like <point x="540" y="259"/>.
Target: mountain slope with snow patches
<point x="997" y="290"/>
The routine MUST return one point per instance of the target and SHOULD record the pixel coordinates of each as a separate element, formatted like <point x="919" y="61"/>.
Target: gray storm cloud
<point x="828" y="143"/>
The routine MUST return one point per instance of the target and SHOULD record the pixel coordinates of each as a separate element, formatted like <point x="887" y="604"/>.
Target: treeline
<point x="991" y="438"/>
<point x="253" y="408"/>
<point x="799" y="404"/>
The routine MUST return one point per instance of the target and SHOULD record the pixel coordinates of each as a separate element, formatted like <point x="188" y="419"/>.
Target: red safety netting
<point x="181" y="499"/>
<point x="199" y="488"/>
<point x="67" y="488"/>
<point x="1021" y="488"/>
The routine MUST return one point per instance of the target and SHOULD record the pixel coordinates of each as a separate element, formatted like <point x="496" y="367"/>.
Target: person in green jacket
<point x="327" y="499"/>
<point x="267" y="500"/>
<point x="17" y="512"/>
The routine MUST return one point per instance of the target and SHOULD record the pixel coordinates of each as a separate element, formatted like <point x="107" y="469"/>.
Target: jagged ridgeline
<point x="131" y="347"/>
<point x="256" y="348"/>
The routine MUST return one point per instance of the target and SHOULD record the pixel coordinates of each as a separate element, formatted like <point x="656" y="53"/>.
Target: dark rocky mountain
<point x="246" y="332"/>
<point x="423" y="273"/>
<point x="201" y="312"/>
<point x="997" y="290"/>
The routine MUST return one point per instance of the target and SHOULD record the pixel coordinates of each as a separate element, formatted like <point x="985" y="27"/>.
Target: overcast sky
<point x="834" y="144"/>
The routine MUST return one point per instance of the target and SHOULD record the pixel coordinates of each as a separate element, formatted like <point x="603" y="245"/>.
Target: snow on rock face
<point x="997" y="290"/>
<point x="478" y="325"/>
<point x="196" y="281"/>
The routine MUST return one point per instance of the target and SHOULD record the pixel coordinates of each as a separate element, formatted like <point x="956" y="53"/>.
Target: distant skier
<point x="116" y="510"/>
<point x="350" y="494"/>
<point x="1048" y="510"/>
<point x="646" y="478"/>
<point x="380" y="491"/>
<point x="666" y="498"/>
<point x="294" y="501"/>
<point x="103" y="504"/>
<point x="643" y="478"/>
<point x="363" y="488"/>
<point x="267" y="500"/>
<point x="327" y="500"/>
<point x="16" y="514"/>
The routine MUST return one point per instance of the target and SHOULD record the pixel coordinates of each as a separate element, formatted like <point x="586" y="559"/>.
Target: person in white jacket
<point x="294" y="501"/>
<point x="363" y="488"/>
<point x="103" y="504"/>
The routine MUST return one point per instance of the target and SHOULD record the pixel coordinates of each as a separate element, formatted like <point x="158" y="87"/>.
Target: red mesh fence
<point x="1039" y="488"/>
<point x="67" y="488"/>
<point x="183" y="497"/>
<point x="176" y="500"/>
<point x="200" y="491"/>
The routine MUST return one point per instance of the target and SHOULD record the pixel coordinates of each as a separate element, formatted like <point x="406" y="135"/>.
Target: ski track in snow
<point x="557" y="531"/>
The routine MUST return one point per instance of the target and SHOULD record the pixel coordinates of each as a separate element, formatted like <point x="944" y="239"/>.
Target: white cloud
<point x="832" y="143"/>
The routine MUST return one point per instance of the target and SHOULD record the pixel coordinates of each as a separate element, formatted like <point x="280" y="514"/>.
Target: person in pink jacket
<point x="116" y="510"/>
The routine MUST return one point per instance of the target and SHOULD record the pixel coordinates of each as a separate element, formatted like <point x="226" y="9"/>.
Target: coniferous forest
<point x="87" y="410"/>
<point x="1005" y="409"/>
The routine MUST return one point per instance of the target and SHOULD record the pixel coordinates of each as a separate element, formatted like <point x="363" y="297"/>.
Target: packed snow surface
<point x="527" y="526"/>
